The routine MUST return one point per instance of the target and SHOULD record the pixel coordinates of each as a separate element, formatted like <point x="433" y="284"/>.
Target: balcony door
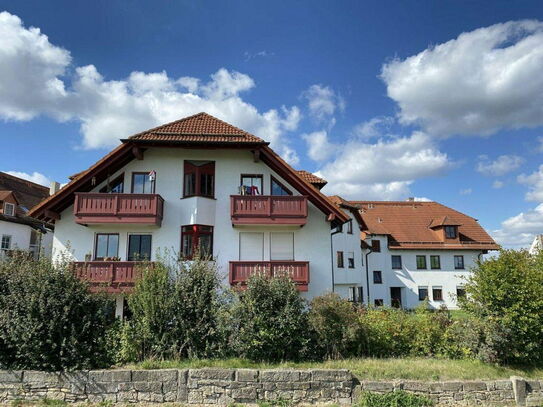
<point x="139" y="247"/>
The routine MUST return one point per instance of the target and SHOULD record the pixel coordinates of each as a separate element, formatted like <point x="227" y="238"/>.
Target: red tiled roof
<point x="312" y="178"/>
<point x="409" y="225"/>
<point x="26" y="192"/>
<point x="199" y="128"/>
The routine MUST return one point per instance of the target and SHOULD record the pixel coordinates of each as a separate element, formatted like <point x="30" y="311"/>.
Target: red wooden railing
<point x="109" y="276"/>
<point x="92" y="207"/>
<point x="267" y="209"/>
<point x="298" y="271"/>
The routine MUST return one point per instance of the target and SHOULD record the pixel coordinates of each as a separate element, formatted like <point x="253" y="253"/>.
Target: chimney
<point x="53" y="189"/>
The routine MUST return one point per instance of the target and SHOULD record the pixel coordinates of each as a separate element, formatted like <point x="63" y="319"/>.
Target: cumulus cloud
<point x="500" y="166"/>
<point x="519" y="231"/>
<point x="497" y="184"/>
<point x="373" y="128"/>
<point x="478" y="83"/>
<point x="318" y="146"/>
<point x="382" y="170"/>
<point x="35" y="177"/>
<point x="323" y="102"/>
<point x="534" y="181"/>
<point x="33" y="82"/>
<point x="466" y="191"/>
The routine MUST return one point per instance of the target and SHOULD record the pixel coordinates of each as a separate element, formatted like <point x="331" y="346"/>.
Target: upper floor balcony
<point x="101" y="208"/>
<point x="108" y="276"/>
<point x="298" y="271"/>
<point x="268" y="210"/>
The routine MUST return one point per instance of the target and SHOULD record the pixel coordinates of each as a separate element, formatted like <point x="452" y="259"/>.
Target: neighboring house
<point x="537" y="244"/>
<point x="18" y="231"/>
<point x="412" y="251"/>
<point x="194" y="183"/>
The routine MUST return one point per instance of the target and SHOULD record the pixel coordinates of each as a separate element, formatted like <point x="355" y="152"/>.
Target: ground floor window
<point x="423" y="293"/>
<point x="437" y="293"/>
<point x="6" y="242"/>
<point x="460" y="292"/>
<point x="356" y="294"/>
<point x="107" y="246"/>
<point x="196" y="239"/>
<point x="139" y="247"/>
<point x="379" y="302"/>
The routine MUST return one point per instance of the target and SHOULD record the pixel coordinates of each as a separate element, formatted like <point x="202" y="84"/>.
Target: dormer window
<point x="450" y="232"/>
<point x="9" y="209"/>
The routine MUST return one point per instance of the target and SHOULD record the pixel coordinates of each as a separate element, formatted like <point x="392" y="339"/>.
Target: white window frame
<point x="9" y="237"/>
<point x="9" y="205"/>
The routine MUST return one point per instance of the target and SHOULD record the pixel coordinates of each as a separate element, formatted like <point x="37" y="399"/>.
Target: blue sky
<point x="385" y="99"/>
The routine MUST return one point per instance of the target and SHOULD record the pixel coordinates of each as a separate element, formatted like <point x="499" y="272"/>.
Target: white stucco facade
<point x="311" y="242"/>
<point x="20" y="238"/>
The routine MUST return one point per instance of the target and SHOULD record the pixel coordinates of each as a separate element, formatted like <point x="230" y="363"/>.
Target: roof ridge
<point x="166" y="124"/>
<point x="23" y="180"/>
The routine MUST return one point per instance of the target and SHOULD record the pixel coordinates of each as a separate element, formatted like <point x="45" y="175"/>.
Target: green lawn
<point x="373" y="369"/>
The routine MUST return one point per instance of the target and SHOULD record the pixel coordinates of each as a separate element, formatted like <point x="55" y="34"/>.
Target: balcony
<point x="102" y="208"/>
<point x="268" y="210"/>
<point x="298" y="271"/>
<point x="108" y="276"/>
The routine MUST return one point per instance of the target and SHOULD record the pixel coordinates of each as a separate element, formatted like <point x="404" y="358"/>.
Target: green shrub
<point x="429" y="328"/>
<point x="48" y="318"/>
<point x="336" y="324"/>
<point x="505" y="294"/>
<point x="271" y="320"/>
<point x="393" y="399"/>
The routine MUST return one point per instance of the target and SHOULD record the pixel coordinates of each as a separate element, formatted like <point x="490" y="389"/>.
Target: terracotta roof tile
<point x="26" y="192"/>
<point x="409" y="225"/>
<point x="312" y="178"/>
<point x="200" y="127"/>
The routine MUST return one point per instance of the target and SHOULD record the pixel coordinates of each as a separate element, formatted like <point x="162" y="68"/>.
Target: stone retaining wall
<point x="226" y="386"/>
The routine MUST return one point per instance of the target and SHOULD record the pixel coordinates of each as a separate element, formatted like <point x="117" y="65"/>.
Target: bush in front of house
<point x="48" y="318"/>
<point x="271" y="320"/>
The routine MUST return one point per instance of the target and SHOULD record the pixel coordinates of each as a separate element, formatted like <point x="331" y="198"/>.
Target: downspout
<point x="368" y="275"/>
<point x="338" y="230"/>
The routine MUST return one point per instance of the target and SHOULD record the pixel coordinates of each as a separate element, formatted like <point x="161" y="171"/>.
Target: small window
<point x="114" y="187"/>
<point x="423" y="293"/>
<point x="396" y="262"/>
<point x="376" y="246"/>
<point x="6" y="242"/>
<point x="450" y="232"/>
<point x="377" y="277"/>
<point x="252" y="184"/>
<point x="350" y="227"/>
<point x="352" y="294"/>
<point x="199" y="179"/>
<point x="139" y="247"/>
<point x="379" y="302"/>
<point x="421" y="262"/>
<point x="437" y="293"/>
<point x="339" y="259"/>
<point x="350" y="260"/>
<point x="460" y="292"/>
<point x="107" y="246"/>
<point x="435" y="262"/>
<point x="143" y="182"/>
<point x="9" y="209"/>
<point x="459" y="262"/>
<point x="196" y="238"/>
<point x="277" y="188"/>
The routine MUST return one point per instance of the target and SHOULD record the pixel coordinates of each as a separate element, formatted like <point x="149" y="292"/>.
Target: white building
<point x="196" y="182"/>
<point x="536" y="245"/>
<point x="411" y="251"/>
<point x="17" y="230"/>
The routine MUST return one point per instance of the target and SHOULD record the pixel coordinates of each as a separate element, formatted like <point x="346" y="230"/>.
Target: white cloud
<point x="478" y="83"/>
<point x="36" y="177"/>
<point x="373" y="128"/>
<point x="323" y="102"/>
<point x="318" y="146"/>
<point x="500" y="166"/>
<point x="32" y="83"/>
<point x="260" y="54"/>
<point x="519" y="231"/>
<point x="466" y="191"/>
<point x="497" y="184"/>
<point x="535" y="184"/>
<point x="383" y="170"/>
<point x="422" y="199"/>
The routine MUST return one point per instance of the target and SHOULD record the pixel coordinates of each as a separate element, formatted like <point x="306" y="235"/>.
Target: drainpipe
<point x="338" y="230"/>
<point x="368" y="275"/>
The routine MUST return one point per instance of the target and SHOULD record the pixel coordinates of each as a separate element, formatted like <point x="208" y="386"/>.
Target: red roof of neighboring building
<point x="409" y="225"/>
<point x="318" y="182"/>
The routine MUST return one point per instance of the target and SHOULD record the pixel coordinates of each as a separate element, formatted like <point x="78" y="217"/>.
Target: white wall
<point x="311" y="242"/>
<point x="20" y="234"/>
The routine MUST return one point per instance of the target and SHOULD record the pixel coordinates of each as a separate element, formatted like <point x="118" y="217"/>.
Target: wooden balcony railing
<point x="268" y="209"/>
<point x="118" y="208"/>
<point x="298" y="271"/>
<point x="108" y="276"/>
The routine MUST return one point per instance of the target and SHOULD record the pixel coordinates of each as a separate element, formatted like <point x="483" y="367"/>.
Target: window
<point x="281" y="246"/>
<point x="350" y="227"/>
<point x="360" y="292"/>
<point x="252" y="184"/>
<point x="435" y="262"/>
<point x="339" y="259"/>
<point x="9" y="209"/>
<point x="356" y="294"/>
<point x="199" y="179"/>
<point x="350" y="260"/>
<point x="196" y="239"/>
<point x="251" y="246"/>
<point x="107" y="246"/>
<point x="376" y="246"/>
<point x="437" y="293"/>
<point x="143" y="183"/>
<point x="139" y="247"/>
<point x="116" y="186"/>
<point x="421" y="262"/>
<point x="6" y="242"/>
<point x="459" y="262"/>
<point x="460" y="292"/>
<point x="396" y="262"/>
<point x="379" y="302"/>
<point x="278" y="188"/>
<point x="377" y="277"/>
<point x="423" y="293"/>
<point x="450" y="232"/>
